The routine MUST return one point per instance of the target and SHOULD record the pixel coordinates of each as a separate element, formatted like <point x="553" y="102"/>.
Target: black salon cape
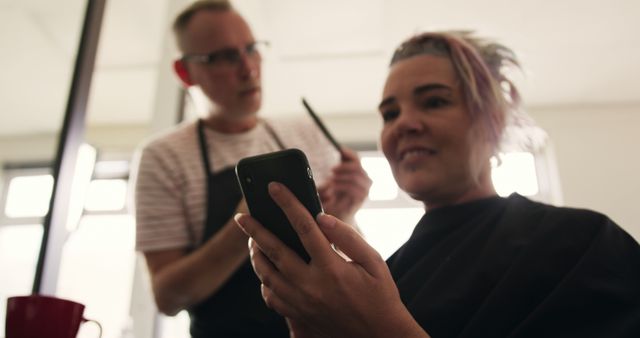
<point x="510" y="267"/>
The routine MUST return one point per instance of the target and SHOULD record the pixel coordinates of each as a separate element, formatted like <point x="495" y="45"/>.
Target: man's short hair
<point x="182" y="20"/>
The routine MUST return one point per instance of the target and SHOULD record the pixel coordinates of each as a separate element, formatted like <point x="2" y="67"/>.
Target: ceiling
<point x="334" y="52"/>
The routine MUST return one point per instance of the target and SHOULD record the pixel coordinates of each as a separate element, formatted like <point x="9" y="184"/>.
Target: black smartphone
<point x="289" y="167"/>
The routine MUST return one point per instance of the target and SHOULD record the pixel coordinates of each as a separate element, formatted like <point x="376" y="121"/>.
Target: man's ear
<point x="181" y="70"/>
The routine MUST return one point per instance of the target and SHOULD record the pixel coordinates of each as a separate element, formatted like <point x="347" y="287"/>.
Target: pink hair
<point x="490" y="96"/>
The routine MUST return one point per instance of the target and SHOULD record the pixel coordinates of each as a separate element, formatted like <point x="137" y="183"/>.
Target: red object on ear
<point x="181" y="71"/>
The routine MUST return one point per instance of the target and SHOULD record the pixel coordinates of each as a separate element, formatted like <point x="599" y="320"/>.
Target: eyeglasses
<point x="227" y="57"/>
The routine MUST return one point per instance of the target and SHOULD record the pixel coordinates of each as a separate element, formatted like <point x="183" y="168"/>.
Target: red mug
<point x="38" y="316"/>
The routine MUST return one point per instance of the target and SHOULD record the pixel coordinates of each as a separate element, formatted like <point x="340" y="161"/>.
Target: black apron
<point x="237" y="308"/>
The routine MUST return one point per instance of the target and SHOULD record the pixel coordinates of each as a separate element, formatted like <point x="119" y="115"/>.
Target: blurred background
<point x="580" y="83"/>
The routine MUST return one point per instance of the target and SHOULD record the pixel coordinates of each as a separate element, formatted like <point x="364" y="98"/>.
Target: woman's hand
<point x="329" y="296"/>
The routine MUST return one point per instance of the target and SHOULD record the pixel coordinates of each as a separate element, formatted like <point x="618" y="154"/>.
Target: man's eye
<point x="388" y="115"/>
<point x="230" y="55"/>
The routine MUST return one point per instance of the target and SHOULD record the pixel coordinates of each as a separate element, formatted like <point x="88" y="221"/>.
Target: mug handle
<point x="85" y="320"/>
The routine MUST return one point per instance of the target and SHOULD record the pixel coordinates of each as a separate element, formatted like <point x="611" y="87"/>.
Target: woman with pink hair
<point x="476" y="265"/>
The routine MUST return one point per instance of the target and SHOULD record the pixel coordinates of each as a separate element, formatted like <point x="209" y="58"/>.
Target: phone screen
<point x="289" y="167"/>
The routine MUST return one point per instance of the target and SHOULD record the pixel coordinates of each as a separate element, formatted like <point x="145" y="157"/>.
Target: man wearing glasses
<point x="187" y="193"/>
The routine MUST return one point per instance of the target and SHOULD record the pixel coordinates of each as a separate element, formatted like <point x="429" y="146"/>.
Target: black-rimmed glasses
<point x="227" y="57"/>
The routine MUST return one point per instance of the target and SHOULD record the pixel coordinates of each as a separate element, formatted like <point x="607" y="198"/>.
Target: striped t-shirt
<point x="170" y="185"/>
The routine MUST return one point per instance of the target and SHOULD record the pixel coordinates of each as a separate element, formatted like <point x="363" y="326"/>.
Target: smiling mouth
<point x="416" y="153"/>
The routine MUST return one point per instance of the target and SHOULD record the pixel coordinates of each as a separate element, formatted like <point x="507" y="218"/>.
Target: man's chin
<point x="251" y="107"/>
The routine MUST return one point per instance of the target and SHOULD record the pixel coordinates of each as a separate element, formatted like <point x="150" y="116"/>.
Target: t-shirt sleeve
<point x="159" y="206"/>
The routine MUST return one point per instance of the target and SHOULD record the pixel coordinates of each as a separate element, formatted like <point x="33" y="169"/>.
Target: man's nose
<point x="248" y="66"/>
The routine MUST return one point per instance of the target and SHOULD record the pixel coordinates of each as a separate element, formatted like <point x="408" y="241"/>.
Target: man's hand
<point x="347" y="188"/>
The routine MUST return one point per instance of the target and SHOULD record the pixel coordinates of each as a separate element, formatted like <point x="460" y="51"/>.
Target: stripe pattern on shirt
<point x="170" y="188"/>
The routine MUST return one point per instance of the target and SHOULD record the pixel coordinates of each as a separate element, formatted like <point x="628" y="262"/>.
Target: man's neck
<point x="231" y="126"/>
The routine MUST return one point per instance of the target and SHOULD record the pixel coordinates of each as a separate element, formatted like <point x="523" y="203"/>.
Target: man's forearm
<point x="199" y="274"/>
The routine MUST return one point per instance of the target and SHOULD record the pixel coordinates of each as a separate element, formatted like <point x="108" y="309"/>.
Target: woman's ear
<point x="181" y="70"/>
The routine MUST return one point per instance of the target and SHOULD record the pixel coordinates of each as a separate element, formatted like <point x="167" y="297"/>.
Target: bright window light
<point x="176" y="326"/>
<point x="387" y="229"/>
<point x="19" y="247"/>
<point x="29" y="196"/>
<point x="106" y="195"/>
<point x="100" y="255"/>
<point x="384" y="186"/>
<point x="516" y="173"/>
<point x="118" y="167"/>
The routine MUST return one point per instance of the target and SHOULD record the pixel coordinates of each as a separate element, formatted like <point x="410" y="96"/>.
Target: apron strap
<point x="204" y="151"/>
<point x="273" y="134"/>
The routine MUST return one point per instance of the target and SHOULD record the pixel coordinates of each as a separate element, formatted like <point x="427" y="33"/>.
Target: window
<point x="389" y="215"/>
<point x="106" y="195"/>
<point x="26" y="195"/>
<point x="99" y="253"/>
<point x="97" y="262"/>
<point x="19" y="247"/>
<point x="25" y="200"/>
<point x="515" y="172"/>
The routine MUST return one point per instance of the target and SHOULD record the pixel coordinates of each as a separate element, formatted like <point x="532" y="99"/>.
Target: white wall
<point x="25" y="148"/>
<point x="598" y="158"/>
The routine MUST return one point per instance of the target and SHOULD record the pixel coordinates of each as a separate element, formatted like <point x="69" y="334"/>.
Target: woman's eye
<point x="388" y="115"/>
<point x="434" y="102"/>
